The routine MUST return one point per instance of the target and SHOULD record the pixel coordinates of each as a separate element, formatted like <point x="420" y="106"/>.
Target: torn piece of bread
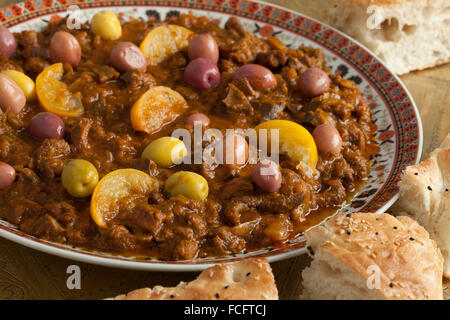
<point x="425" y="196"/>
<point x="250" y="279"/>
<point x="406" y="34"/>
<point x="368" y="256"/>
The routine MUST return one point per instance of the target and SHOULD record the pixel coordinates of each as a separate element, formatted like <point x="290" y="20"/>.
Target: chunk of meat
<point x="136" y="79"/>
<point x="63" y="212"/>
<point x="29" y="174"/>
<point x="268" y="110"/>
<point x="148" y="218"/>
<point x="297" y="65"/>
<point x="272" y="59"/>
<point x="120" y="238"/>
<point x="237" y="187"/>
<point x="35" y="65"/>
<point x="333" y="195"/>
<point x="227" y="242"/>
<point x="79" y="135"/>
<point x="105" y="73"/>
<point x="244" y="51"/>
<point x="356" y="136"/>
<point x="276" y="228"/>
<point x="17" y="208"/>
<point x="43" y="53"/>
<point x="51" y="157"/>
<point x="5" y="145"/>
<point x="357" y="161"/>
<point x="227" y="66"/>
<point x="234" y="24"/>
<point x="318" y="117"/>
<point x="236" y="101"/>
<point x="186" y="249"/>
<point x="45" y="227"/>
<point x="269" y="202"/>
<point x="293" y="194"/>
<point x="124" y="150"/>
<point x="244" y="85"/>
<point x="187" y="92"/>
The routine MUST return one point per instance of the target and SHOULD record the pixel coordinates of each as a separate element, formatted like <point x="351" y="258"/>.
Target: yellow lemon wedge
<point x="54" y="95"/>
<point x="295" y="141"/>
<point x="24" y="82"/>
<point x="163" y="41"/>
<point x="157" y="107"/>
<point x="115" y="186"/>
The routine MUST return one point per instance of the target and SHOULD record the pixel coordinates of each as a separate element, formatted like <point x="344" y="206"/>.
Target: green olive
<point x="24" y="82"/>
<point x="106" y="25"/>
<point x="188" y="184"/>
<point x="79" y="178"/>
<point x="165" y="151"/>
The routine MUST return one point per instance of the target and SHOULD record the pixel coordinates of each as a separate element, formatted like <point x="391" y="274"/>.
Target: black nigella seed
<point x="172" y="296"/>
<point x="429" y="188"/>
<point x="348" y="215"/>
<point x="226" y="287"/>
<point x="416" y="173"/>
<point x="446" y="190"/>
<point x="248" y="274"/>
<point x="391" y="285"/>
<point x="395" y="228"/>
<point x="376" y="233"/>
<point x="217" y="296"/>
<point x="348" y="232"/>
<point x="411" y="238"/>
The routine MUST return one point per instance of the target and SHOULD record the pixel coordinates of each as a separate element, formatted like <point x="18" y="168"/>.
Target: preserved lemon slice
<point x="295" y="141"/>
<point x="115" y="186"/>
<point x="54" y="95"/>
<point x="155" y="108"/>
<point x="163" y="41"/>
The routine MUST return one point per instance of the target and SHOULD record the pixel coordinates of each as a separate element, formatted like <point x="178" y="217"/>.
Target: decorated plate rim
<point x="106" y="259"/>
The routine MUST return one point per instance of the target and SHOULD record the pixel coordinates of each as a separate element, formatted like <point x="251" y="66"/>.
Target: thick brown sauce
<point x="178" y="228"/>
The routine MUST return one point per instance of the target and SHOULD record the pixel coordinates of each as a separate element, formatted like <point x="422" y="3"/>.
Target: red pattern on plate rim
<point x="407" y="130"/>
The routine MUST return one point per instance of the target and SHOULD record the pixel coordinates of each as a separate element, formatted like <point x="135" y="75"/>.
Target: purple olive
<point x="202" y="74"/>
<point x="260" y="77"/>
<point x="65" y="48"/>
<point x="7" y="175"/>
<point x="127" y="56"/>
<point x="198" y="118"/>
<point x="267" y="175"/>
<point x="7" y="42"/>
<point x="46" y="125"/>
<point x="313" y="82"/>
<point x="11" y="96"/>
<point x="327" y="138"/>
<point x="204" y="46"/>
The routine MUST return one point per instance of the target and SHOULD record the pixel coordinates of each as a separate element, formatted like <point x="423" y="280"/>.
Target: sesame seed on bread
<point x="249" y="279"/>
<point x="372" y="256"/>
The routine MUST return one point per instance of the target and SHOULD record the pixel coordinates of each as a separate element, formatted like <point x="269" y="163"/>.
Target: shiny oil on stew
<point x="236" y="217"/>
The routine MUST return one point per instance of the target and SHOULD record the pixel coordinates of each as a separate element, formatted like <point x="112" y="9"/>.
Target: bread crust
<point x="425" y="196"/>
<point x="409" y="261"/>
<point x="437" y="63"/>
<point x="249" y="279"/>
